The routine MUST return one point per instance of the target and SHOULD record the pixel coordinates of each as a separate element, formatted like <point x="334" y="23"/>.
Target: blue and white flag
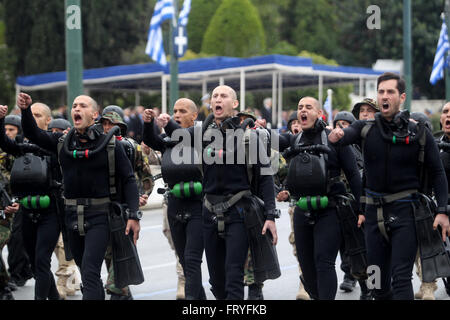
<point x="439" y="59"/>
<point x="184" y="14"/>
<point x="163" y="10"/>
<point x="327" y="107"/>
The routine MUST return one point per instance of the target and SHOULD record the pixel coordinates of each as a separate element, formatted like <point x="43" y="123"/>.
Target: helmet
<point x="62" y="124"/>
<point x="422" y="117"/>
<point x="292" y="118"/>
<point x="14" y="120"/>
<point x="115" y="118"/>
<point x="344" y="115"/>
<point x="247" y="113"/>
<point x="117" y="109"/>
<point x="367" y="101"/>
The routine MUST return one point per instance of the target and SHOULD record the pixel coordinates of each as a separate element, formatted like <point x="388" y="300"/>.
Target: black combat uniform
<point x="87" y="197"/>
<point x="184" y="214"/>
<point x="318" y="232"/>
<point x="40" y="227"/>
<point x="393" y="168"/>
<point x="226" y="250"/>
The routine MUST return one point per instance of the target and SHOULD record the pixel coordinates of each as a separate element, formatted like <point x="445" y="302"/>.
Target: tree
<point x="201" y="14"/>
<point x="311" y="25"/>
<point x="235" y="30"/>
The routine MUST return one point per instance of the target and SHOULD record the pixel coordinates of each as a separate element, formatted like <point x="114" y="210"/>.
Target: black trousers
<point x="185" y="221"/>
<point x="18" y="260"/>
<point x="89" y="250"/>
<point x="396" y="257"/>
<point x="40" y="237"/>
<point x="317" y="248"/>
<point x="226" y="256"/>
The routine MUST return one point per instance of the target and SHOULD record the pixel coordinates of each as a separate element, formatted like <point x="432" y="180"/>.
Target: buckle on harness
<point x="379" y="201"/>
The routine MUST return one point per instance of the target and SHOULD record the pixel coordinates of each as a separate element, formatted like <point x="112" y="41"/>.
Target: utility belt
<point x="101" y="204"/>
<point x="379" y="200"/>
<point x="219" y="205"/>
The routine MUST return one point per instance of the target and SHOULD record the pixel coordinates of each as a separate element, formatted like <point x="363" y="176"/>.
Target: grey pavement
<point x="158" y="263"/>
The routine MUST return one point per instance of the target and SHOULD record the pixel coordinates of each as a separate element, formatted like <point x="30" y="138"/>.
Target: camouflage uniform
<point x="68" y="276"/>
<point x="143" y="175"/>
<point x="6" y="162"/>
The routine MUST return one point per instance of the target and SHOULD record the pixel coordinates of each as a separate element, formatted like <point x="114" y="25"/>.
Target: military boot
<point x="180" y="289"/>
<point x="302" y="294"/>
<point x="255" y="292"/>
<point x="428" y="290"/>
<point x="115" y="296"/>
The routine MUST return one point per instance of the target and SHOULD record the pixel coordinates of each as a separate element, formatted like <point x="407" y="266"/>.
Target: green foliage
<point x="312" y="26"/>
<point x="201" y="13"/>
<point x="283" y="47"/>
<point x="235" y="30"/>
<point x="2" y="33"/>
<point x="7" y="91"/>
<point x="317" y="58"/>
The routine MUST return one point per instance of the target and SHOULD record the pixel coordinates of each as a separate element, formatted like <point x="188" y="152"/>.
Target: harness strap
<point x="379" y="202"/>
<point x="80" y="220"/>
<point x="112" y="166"/>
<point x="220" y="208"/>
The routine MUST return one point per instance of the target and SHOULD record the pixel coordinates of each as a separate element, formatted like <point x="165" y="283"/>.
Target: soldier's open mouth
<point x="385" y="106"/>
<point x="295" y="131"/>
<point x="178" y="121"/>
<point x="77" y="118"/>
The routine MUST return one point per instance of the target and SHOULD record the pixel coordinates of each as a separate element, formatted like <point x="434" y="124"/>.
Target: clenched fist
<point x="24" y="101"/>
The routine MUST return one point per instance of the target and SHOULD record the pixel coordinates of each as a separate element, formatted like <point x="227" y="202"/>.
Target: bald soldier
<point x="227" y="190"/>
<point x="184" y="208"/>
<point x="88" y="188"/>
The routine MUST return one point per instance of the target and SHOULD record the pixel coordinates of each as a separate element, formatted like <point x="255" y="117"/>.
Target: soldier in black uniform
<point x="89" y="183"/>
<point x="391" y="149"/>
<point x="224" y="232"/>
<point x="184" y="211"/>
<point x="317" y="228"/>
<point x="41" y="226"/>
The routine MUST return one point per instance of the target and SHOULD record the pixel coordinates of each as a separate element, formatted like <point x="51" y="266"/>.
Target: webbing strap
<point x="112" y="166"/>
<point x="380" y="201"/>
<point x="80" y="220"/>
<point x="224" y="206"/>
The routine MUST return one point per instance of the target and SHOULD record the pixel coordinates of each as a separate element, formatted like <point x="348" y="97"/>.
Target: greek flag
<point x="439" y="59"/>
<point x="163" y="10"/>
<point x="184" y="14"/>
<point x="327" y="107"/>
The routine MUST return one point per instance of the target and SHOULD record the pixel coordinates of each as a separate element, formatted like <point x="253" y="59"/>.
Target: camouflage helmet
<point x="114" y="108"/>
<point x="247" y="113"/>
<point x="343" y="115"/>
<point x="60" y="123"/>
<point x="14" y="120"/>
<point x="367" y="101"/>
<point x="116" y="119"/>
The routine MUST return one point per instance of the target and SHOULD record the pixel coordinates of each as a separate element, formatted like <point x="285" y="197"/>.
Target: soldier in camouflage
<point x="112" y="116"/>
<point x="7" y="213"/>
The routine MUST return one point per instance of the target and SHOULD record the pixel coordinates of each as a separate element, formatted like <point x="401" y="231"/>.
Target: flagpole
<point x="407" y="48"/>
<point x="447" y="70"/>
<point x="174" y="89"/>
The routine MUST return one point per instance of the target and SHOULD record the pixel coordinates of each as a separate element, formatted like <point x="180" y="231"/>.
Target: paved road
<point x="158" y="263"/>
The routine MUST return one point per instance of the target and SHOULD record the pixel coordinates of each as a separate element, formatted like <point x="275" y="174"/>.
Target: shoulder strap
<point x="246" y="138"/>
<point x="110" y="148"/>
<point x="364" y="132"/>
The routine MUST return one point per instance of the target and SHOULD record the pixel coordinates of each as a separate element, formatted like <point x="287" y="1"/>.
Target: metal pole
<point x="274" y="97"/>
<point x="242" y="93"/>
<point x="174" y="88"/>
<point x="74" y="51"/>
<point x="407" y="50"/>
<point x="163" y="94"/>
<point x="447" y="70"/>
<point x="280" y="101"/>
<point x="320" y="89"/>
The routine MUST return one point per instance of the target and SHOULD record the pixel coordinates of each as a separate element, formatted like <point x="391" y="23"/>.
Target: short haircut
<point x="318" y="106"/>
<point x="233" y="93"/>
<point x="401" y="85"/>
<point x="45" y="108"/>
<point x="191" y="104"/>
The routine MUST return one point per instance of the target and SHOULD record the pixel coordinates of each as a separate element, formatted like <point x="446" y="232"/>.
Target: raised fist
<point x="24" y="101"/>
